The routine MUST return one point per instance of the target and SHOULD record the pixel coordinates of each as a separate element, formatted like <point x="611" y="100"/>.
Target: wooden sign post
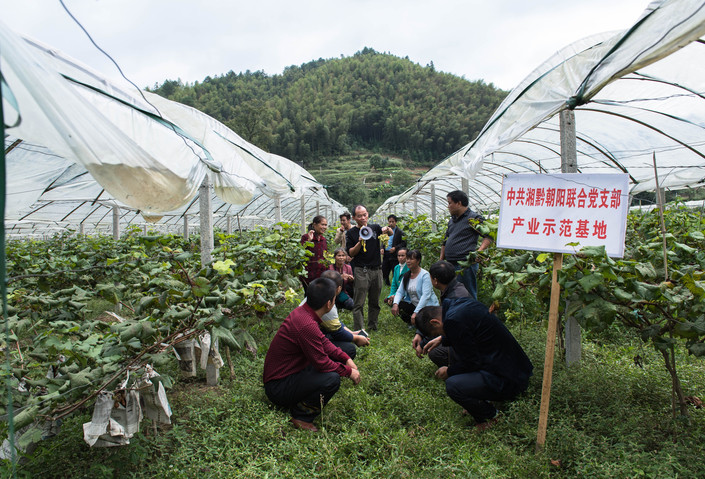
<point x="550" y="352"/>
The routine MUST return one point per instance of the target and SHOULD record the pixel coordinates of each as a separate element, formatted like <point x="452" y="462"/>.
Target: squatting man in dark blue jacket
<point x="491" y="364"/>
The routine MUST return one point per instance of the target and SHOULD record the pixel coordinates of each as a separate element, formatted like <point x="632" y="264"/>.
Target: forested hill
<point x="325" y="108"/>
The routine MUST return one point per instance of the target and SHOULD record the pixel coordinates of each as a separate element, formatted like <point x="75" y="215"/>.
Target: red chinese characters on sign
<point x="563" y="212"/>
<point x="591" y="198"/>
<point x="566" y="229"/>
<point x="579" y="198"/>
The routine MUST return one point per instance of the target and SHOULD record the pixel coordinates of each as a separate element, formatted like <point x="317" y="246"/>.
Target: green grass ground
<point x="608" y="418"/>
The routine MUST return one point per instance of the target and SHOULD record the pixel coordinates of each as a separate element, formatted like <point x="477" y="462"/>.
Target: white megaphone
<point x="366" y="233"/>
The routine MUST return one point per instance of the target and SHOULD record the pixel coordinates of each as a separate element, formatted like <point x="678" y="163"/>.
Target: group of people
<point x="477" y="357"/>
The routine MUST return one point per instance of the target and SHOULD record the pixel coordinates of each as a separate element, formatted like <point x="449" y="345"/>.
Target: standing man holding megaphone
<point x="363" y="246"/>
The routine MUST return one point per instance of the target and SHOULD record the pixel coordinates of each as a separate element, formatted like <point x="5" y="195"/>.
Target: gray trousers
<point x="367" y="282"/>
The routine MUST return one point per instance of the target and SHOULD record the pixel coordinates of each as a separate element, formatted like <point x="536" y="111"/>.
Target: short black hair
<point x="392" y="216"/>
<point x="319" y="292"/>
<point x="334" y="276"/>
<point x="442" y="271"/>
<point x="414" y="254"/>
<point x="458" y="196"/>
<point x="358" y="206"/>
<point x="424" y="317"/>
<point x="345" y="215"/>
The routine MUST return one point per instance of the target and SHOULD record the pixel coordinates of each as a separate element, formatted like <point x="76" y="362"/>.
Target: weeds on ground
<point x="609" y="417"/>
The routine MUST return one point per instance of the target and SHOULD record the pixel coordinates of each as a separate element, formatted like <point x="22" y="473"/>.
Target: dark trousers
<point x="405" y="311"/>
<point x="368" y="281"/>
<point x="303" y="393"/>
<point x="474" y="391"/>
<point x="443" y="356"/>
<point x="389" y="261"/>
<point x="348" y="347"/>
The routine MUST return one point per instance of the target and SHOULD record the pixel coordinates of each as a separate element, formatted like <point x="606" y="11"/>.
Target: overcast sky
<point x="498" y="41"/>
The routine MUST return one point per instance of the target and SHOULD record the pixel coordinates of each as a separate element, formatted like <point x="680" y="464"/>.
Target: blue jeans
<point x="469" y="278"/>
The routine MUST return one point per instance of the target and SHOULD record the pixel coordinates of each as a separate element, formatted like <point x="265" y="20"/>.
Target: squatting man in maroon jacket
<point x="302" y="368"/>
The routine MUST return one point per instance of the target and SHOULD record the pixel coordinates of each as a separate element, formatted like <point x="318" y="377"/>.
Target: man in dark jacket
<point x="492" y="365"/>
<point x="444" y="279"/>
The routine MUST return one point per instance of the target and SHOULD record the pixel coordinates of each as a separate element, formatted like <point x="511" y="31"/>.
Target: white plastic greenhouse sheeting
<point x="148" y="154"/>
<point x="69" y="198"/>
<point x="635" y="94"/>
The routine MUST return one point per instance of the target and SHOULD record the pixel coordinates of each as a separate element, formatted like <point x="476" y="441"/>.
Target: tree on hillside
<point x="327" y="107"/>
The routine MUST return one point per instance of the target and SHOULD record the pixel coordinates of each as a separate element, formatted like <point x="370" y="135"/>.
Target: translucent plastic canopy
<point x="636" y="95"/>
<point x="62" y="196"/>
<point x="78" y="145"/>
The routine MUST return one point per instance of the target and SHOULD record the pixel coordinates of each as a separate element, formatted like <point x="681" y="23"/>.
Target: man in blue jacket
<point x="492" y="366"/>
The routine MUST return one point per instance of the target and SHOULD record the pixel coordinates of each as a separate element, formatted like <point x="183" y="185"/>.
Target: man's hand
<point x="432" y="344"/>
<point x="395" y="309"/>
<point x="355" y="376"/>
<point x="351" y="364"/>
<point x="360" y="341"/>
<point x="442" y="373"/>
<point x="416" y="344"/>
<point x="413" y="319"/>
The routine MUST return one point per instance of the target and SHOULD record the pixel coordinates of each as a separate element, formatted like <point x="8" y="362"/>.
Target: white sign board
<point x="562" y="213"/>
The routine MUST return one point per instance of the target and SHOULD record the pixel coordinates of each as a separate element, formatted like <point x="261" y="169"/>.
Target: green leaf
<point x="591" y="281"/>
<point x="223" y="267"/>
<point x="695" y="287"/>
<point x="686" y="329"/>
<point x="684" y="247"/>
<point x="201" y="287"/>
<point x="26" y="416"/>
<point x="225" y="337"/>
<point x="697" y="349"/>
<point x="31" y="436"/>
<point x="517" y="263"/>
<point x="593" y="251"/>
<point x="646" y="270"/>
<point x="622" y="295"/>
<point x="542" y="257"/>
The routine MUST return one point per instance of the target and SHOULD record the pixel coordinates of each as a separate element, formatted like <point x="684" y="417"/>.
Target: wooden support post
<point x="186" y="227"/>
<point x="550" y="352"/>
<point x="229" y="224"/>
